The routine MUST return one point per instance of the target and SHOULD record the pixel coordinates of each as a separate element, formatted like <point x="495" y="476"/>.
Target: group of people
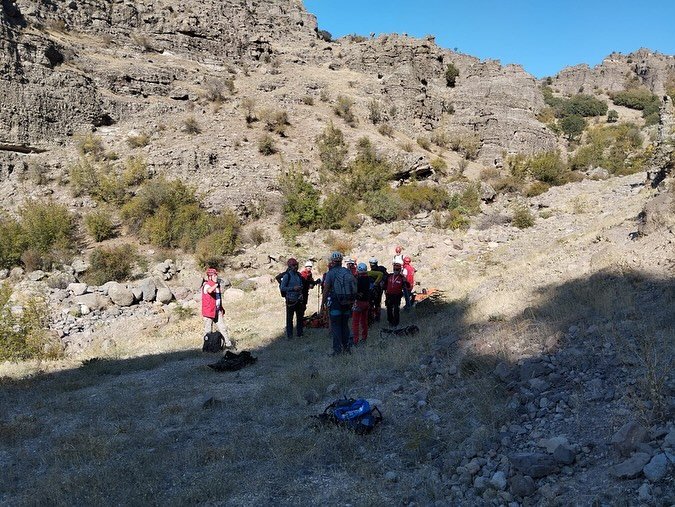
<point x="352" y="291"/>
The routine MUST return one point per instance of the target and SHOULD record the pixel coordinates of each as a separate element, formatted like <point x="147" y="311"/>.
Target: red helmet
<point x="399" y="248"/>
<point x="406" y="260"/>
<point x="211" y="271"/>
<point x="292" y="262"/>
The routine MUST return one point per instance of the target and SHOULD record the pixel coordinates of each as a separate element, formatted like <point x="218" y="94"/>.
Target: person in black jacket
<point x="379" y="288"/>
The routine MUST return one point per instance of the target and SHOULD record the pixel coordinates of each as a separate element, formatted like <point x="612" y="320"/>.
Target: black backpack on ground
<point x="233" y="362"/>
<point x="355" y="415"/>
<point x="213" y="342"/>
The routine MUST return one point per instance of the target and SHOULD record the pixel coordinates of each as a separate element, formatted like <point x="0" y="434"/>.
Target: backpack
<point x="355" y="415"/>
<point x="233" y="362"/>
<point x="344" y="287"/>
<point x="280" y="278"/>
<point x="213" y="342"/>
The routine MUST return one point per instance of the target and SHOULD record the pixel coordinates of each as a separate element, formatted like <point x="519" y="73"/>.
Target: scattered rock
<point x="644" y="492"/>
<point x="311" y="396"/>
<point x="16" y="273"/>
<point x="37" y="275"/>
<point x="498" y="481"/>
<point x="522" y="486"/>
<point x="212" y="402"/>
<point x="120" y="295"/>
<point x="79" y="266"/>
<point x="149" y="289"/>
<point x="657" y="468"/>
<point x="391" y="476"/>
<point x="164" y="295"/>
<point x="4" y="273"/>
<point x="628" y="437"/>
<point x="564" y="455"/>
<point x="232" y="295"/>
<point x="77" y="289"/>
<point x="534" y="464"/>
<point x="632" y="467"/>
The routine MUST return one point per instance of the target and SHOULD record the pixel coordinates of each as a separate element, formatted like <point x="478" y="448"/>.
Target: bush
<point x="573" y="126"/>
<point x="642" y="100"/>
<point x="585" y="106"/>
<point x="548" y="168"/>
<point x="266" y="145"/>
<point x="383" y="205"/>
<point x="257" y="236"/>
<point x="48" y="230"/>
<point x="12" y="243"/>
<point x="23" y="335"/>
<point x="423" y="197"/>
<point x="386" y="130"/>
<point x="332" y="148"/>
<point x="375" y="111"/>
<point x="191" y="125"/>
<point x="275" y="121"/>
<point x="301" y="207"/>
<point x="248" y="104"/>
<point x="99" y="225"/>
<point x="368" y="172"/>
<point x="335" y="209"/>
<point x="440" y="138"/>
<point x="343" y="109"/>
<point x="451" y="75"/>
<point x="424" y="143"/>
<point x="617" y="148"/>
<point x="135" y="171"/>
<point x="111" y="264"/>
<point x="138" y="141"/>
<point x="439" y="165"/>
<point x="214" y="248"/>
<point x="522" y="217"/>
<point x="91" y="145"/>
<point x="612" y="116"/>
<point x="467" y="144"/>
<point x="536" y="188"/>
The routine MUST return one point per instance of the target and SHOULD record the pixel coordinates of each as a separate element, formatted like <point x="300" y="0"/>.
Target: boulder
<point x="164" y="295"/>
<point x="60" y="280"/>
<point x="191" y="280"/>
<point x="120" y="295"/>
<point x="628" y="437"/>
<point x="498" y="481"/>
<point x="79" y="266"/>
<point x="93" y="301"/>
<point x="262" y="281"/>
<point x="37" y="275"/>
<point x="77" y="289"/>
<point x="657" y="468"/>
<point x="522" y="486"/>
<point x="149" y="289"/>
<point x="138" y="293"/>
<point x="231" y="295"/>
<point x="564" y="455"/>
<point x="632" y="467"/>
<point x="16" y="273"/>
<point x="534" y="464"/>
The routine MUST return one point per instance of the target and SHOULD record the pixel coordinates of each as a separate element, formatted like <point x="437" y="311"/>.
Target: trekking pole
<point x="318" y="302"/>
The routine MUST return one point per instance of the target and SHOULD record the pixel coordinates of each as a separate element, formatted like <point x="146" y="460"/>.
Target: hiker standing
<point x="397" y="253"/>
<point x="408" y="271"/>
<point x="396" y="282"/>
<point x="379" y="286"/>
<point x="212" y="305"/>
<point x="351" y="266"/>
<point x="339" y="293"/>
<point x="308" y="282"/>
<point x="291" y="288"/>
<point x="362" y="304"/>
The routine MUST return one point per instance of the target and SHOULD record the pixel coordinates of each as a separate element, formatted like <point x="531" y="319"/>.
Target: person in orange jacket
<point x="212" y="305"/>
<point x="362" y="304"/>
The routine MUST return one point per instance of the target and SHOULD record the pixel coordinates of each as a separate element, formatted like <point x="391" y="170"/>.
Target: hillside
<point x="141" y="141"/>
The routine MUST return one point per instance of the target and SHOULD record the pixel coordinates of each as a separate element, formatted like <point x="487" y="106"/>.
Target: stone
<point x="564" y="455"/>
<point x="669" y="441"/>
<point x="138" y="293"/>
<point x="522" y="486"/>
<point x="498" y="480"/>
<point x="481" y="484"/>
<point x="551" y="444"/>
<point x="391" y="476"/>
<point x="534" y="464"/>
<point x="644" y="492"/>
<point x="632" y="467"/>
<point x="84" y="310"/>
<point x="311" y="396"/>
<point x="79" y="266"/>
<point x="37" y="275"/>
<point x="262" y="281"/>
<point x="149" y="289"/>
<point x="332" y="390"/>
<point x="60" y="280"/>
<point x="657" y="468"/>
<point x="16" y="273"/>
<point x="4" y="273"/>
<point x="628" y="437"/>
<point x="192" y="280"/>
<point x="77" y="289"/>
<point x="532" y="368"/>
<point x="231" y="295"/>
<point x="120" y="295"/>
<point x="93" y="301"/>
<point x="164" y="295"/>
<point x="503" y="372"/>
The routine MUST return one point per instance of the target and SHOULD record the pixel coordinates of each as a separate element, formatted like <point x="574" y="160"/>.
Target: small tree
<point x="573" y="126"/>
<point x="451" y="75"/>
<point x="332" y="148"/>
<point x="612" y="116"/>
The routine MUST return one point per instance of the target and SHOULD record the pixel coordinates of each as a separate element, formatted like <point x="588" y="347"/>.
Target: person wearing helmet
<point x="339" y="294"/>
<point x="396" y="282"/>
<point x="351" y="266"/>
<point x="379" y="285"/>
<point x="362" y="304"/>
<point x="408" y="271"/>
<point x="212" y="305"/>
<point x="291" y="286"/>
<point x="308" y="282"/>
<point x="397" y="254"/>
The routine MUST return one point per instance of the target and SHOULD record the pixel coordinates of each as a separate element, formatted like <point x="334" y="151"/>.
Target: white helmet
<point x="309" y="264"/>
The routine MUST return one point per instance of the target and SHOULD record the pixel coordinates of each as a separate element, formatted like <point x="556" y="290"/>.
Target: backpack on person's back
<point x="344" y="287"/>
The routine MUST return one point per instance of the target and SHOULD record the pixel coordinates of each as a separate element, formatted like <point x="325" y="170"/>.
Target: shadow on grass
<point x="140" y="430"/>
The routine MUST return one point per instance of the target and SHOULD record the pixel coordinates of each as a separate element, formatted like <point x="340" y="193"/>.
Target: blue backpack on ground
<point x="355" y="415"/>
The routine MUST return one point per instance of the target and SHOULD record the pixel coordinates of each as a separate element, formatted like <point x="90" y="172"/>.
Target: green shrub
<point x="585" y="106"/>
<point x="368" y="172"/>
<point x="23" y="335"/>
<point x="612" y="116"/>
<point x="99" y="225"/>
<point x="451" y="75"/>
<point x="266" y="145"/>
<point x="548" y="168"/>
<point x="617" y="148"/>
<point x="343" y="109"/>
<point x="642" y="100"/>
<point x="469" y="200"/>
<point x="214" y="248"/>
<point x="536" y="188"/>
<point x="439" y="165"/>
<point x="135" y="171"/>
<point x="383" y="205"/>
<point x="332" y="148"/>
<point x="91" y="145"/>
<point x="191" y="125"/>
<point x="48" y="229"/>
<point x="301" y="207"/>
<point x="334" y="209"/>
<point x="375" y="111"/>
<point x="522" y="217"/>
<point x="573" y="126"/>
<point x="457" y="220"/>
<point x="111" y="264"/>
<point x="440" y="138"/>
<point x="467" y="144"/>
<point x="84" y="177"/>
<point x="12" y="243"/>
<point x="422" y="197"/>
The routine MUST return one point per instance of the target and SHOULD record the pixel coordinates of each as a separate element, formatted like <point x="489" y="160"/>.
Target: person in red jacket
<point x="212" y="305"/>
<point x="308" y="282"/>
<point x="396" y="283"/>
<point x="408" y="271"/>
<point x="362" y="304"/>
